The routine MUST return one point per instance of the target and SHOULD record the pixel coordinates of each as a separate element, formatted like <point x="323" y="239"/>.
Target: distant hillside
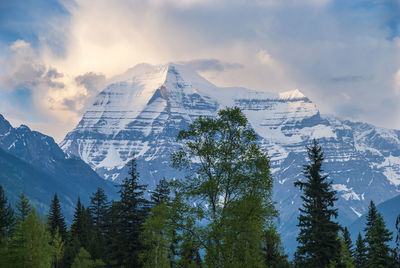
<point x="33" y="164"/>
<point x="389" y="209"/>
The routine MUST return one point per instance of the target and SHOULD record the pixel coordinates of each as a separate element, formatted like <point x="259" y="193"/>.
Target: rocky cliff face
<point x="142" y="113"/>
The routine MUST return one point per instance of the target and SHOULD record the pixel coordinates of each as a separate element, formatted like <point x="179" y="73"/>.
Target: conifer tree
<point x="274" y="254"/>
<point x="345" y="260"/>
<point x="397" y="248"/>
<point x="161" y="193"/>
<point x="6" y="219"/>
<point x="56" y="219"/>
<point x="318" y="237"/>
<point x="347" y="241"/>
<point x="377" y="236"/>
<point x="23" y="208"/>
<point x="360" y="253"/>
<point x="82" y="233"/>
<point x="99" y="207"/>
<point x="130" y="213"/>
<point x="78" y="221"/>
<point x="6" y="226"/>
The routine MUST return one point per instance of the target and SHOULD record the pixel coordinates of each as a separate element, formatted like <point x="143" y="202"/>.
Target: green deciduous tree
<point x="84" y="260"/>
<point x="229" y="186"/>
<point x="58" y="248"/>
<point x="318" y="237"/>
<point x="159" y="228"/>
<point x="30" y="245"/>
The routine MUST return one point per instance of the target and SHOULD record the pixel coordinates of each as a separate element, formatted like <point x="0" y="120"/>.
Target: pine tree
<point x="347" y="241"/>
<point x="318" y="237"/>
<point x="82" y="233"/>
<point x="345" y="260"/>
<point x="23" y="208"/>
<point x="56" y="219"/>
<point x="98" y="209"/>
<point x="360" y="253"/>
<point x="273" y="249"/>
<point x="161" y="193"/>
<point x="130" y="213"/>
<point x="77" y="223"/>
<point x="377" y="237"/>
<point x="397" y="248"/>
<point x="6" y="219"/>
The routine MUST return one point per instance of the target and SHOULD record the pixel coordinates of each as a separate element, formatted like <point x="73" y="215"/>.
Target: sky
<point x="56" y="55"/>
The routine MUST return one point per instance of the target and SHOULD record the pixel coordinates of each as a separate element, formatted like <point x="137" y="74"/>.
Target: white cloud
<point x="276" y="45"/>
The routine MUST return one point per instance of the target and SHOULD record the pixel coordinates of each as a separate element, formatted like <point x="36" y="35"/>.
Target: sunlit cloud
<point x="344" y="55"/>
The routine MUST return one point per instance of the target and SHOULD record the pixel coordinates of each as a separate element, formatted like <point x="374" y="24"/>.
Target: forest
<point x="221" y="214"/>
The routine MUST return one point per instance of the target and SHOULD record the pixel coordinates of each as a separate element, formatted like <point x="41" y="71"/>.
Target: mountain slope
<point x="144" y="109"/>
<point x="389" y="209"/>
<point x="32" y="163"/>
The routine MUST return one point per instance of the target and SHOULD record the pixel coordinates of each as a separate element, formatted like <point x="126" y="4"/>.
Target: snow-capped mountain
<point x="144" y="109"/>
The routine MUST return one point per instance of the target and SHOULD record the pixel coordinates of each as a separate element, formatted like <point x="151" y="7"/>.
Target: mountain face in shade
<point x="143" y="110"/>
<point x="33" y="164"/>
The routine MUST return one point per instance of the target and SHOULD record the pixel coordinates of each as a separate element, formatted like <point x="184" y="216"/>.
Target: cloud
<point x="334" y="51"/>
<point x="93" y="82"/>
<point x="203" y="65"/>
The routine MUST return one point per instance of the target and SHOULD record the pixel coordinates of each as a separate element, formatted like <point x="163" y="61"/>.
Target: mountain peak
<point x="292" y="94"/>
<point x="5" y="126"/>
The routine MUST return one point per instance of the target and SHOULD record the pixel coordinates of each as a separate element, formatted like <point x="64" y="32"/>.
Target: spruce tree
<point x="347" y="241"/>
<point x="99" y="207"/>
<point x="161" y="193"/>
<point x="82" y="233"/>
<point x="6" y="219"/>
<point x="360" y="253"/>
<point x="377" y="236"/>
<point x="23" y="208"/>
<point x="318" y="237"/>
<point x="274" y="254"/>
<point x="56" y="219"/>
<point x="397" y="248"/>
<point x="130" y="213"/>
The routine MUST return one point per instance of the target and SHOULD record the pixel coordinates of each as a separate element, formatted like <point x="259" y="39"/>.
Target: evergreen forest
<point x="220" y="215"/>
